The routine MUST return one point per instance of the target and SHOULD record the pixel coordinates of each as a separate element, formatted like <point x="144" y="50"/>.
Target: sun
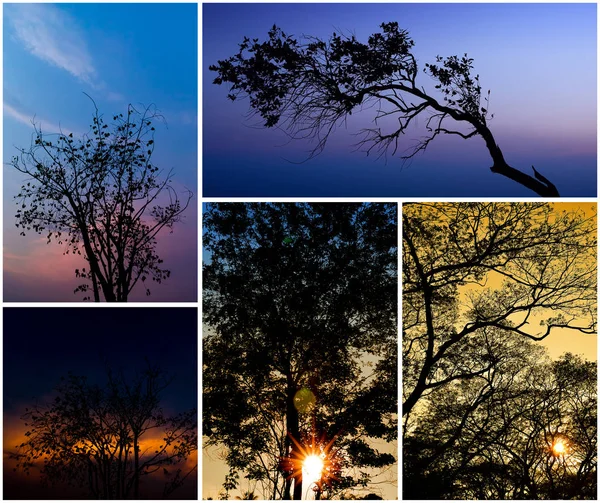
<point x="312" y="467"/>
<point x="559" y="448"/>
<point x="314" y="460"/>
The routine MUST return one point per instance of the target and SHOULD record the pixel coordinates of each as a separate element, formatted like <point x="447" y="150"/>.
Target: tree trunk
<point x="293" y="430"/>
<point x="136" y="467"/>
<point x="109" y="295"/>
<point x="287" y="492"/>
<point x="538" y="183"/>
<point x="107" y="290"/>
<point x="95" y="287"/>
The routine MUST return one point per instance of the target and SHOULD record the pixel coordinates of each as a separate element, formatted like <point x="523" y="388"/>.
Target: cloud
<point x="52" y="35"/>
<point x="44" y="125"/>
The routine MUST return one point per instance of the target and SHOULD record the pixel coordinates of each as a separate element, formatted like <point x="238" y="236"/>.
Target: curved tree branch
<point x="309" y="88"/>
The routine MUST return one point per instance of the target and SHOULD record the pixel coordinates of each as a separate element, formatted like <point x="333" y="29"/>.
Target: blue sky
<point x="118" y="54"/>
<point x="538" y="60"/>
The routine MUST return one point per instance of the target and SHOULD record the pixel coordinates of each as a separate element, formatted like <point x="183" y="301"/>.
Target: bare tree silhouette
<point x="99" y="438"/>
<point x="545" y="258"/>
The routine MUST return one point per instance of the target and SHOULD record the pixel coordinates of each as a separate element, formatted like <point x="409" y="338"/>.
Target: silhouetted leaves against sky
<point x="316" y="312"/>
<point x="487" y="414"/>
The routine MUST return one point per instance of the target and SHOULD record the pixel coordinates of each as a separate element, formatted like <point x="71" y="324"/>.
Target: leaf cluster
<point x="459" y="87"/>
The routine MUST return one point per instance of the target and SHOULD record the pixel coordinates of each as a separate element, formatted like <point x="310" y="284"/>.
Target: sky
<point x="43" y="344"/>
<point x="563" y="341"/>
<point x="118" y="54"/>
<point x="560" y="340"/>
<point x="538" y="60"/>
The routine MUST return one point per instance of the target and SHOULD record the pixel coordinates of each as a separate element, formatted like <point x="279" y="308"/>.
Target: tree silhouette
<point x="300" y="350"/>
<point x="309" y="87"/>
<point x="484" y="407"/>
<point x="102" y="197"/>
<point x="494" y="436"/>
<point x="99" y="437"/>
<point x="544" y="262"/>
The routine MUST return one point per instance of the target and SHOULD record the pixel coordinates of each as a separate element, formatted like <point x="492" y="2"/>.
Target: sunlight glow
<point x="312" y="468"/>
<point x="315" y="462"/>
<point x="559" y="448"/>
<point x="312" y="472"/>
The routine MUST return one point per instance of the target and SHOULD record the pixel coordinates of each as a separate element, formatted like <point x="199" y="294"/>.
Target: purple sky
<point x="539" y="60"/>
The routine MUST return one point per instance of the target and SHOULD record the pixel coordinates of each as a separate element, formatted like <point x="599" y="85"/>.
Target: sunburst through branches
<point x="315" y="461"/>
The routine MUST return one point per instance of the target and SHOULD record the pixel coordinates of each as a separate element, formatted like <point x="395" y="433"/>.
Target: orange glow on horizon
<point x="14" y="436"/>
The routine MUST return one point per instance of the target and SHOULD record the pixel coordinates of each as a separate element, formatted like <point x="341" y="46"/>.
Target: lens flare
<point x="304" y="400"/>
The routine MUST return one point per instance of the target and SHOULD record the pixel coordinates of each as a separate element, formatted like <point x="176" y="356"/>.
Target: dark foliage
<point x="493" y="437"/>
<point x="97" y="437"/>
<point x="300" y="305"/>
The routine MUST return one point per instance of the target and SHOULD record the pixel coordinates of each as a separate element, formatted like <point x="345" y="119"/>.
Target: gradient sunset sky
<point x="41" y="345"/>
<point x="119" y="54"/>
<point x="538" y="60"/>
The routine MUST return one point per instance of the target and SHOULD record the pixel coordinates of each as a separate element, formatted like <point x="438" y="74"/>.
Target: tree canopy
<point x="531" y="270"/>
<point x="300" y="353"/>
<point x="525" y="429"/>
<point x="487" y="415"/>
<point x="309" y="86"/>
<point x="102" y="198"/>
<point x="104" y="439"/>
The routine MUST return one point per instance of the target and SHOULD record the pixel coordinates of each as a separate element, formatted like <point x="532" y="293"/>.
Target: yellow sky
<point x="561" y="341"/>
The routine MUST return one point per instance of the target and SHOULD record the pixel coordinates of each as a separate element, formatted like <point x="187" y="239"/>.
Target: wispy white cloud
<point x="44" y="125"/>
<point x="53" y="36"/>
